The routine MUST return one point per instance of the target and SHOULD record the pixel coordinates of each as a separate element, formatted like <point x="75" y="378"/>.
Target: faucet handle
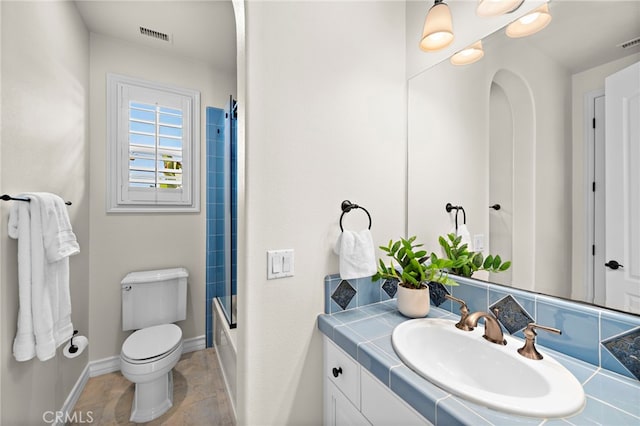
<point x="529" y="349"/>
<point x="464" y="313"/>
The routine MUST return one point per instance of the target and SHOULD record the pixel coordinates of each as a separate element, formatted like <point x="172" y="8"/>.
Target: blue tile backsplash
<point x="598" y="336"/>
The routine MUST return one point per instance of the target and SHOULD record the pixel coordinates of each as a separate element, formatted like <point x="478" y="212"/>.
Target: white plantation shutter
<point x="154" y="147"/>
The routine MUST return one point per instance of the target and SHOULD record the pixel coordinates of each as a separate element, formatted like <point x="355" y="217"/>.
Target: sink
<point x="495" y="376"/>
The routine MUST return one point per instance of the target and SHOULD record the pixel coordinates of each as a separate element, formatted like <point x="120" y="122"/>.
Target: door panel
<point x="622" y="169"/>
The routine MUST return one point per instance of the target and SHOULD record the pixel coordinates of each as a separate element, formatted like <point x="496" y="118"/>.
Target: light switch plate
<point x="478" y="242"/>
<point x="279" y="264"/>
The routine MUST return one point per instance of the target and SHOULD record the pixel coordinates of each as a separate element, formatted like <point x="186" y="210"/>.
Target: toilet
<point x="151" y="302"/>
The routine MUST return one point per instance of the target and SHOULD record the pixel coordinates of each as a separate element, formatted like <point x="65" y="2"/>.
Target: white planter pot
<point x="413" y="302"/>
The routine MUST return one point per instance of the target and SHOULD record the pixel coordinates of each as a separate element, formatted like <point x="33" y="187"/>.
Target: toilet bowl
<point x="151" y="302"/>
<point x="147" y="359"/>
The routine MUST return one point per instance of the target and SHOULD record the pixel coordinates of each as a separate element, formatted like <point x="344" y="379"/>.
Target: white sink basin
<point x="496" y="376"/>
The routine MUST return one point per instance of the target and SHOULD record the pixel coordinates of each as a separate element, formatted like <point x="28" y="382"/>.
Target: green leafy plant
<point x="465" y="262"/>
<point x="416" y="267"/>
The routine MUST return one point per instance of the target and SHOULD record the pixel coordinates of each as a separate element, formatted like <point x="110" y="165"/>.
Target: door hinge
<point x="593" y="249"/>
<point x="594" y="122"/>
<point x="593" y="187"/>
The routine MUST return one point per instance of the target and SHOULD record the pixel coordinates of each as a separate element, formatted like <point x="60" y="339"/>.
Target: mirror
<point x="514" y="129"/>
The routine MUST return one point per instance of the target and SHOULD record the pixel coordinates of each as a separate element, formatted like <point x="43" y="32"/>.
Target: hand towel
<point x="43" y="273"/>
<point x="463" y="232"/>
<point x="357" y="254"/>
<point x="59" y="239"/>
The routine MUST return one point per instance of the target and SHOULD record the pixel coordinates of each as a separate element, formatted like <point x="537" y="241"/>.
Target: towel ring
<point x="450" y="207"/>
<point x="347" y="206"/>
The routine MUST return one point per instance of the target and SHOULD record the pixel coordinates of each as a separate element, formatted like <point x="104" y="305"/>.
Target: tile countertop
<point x="365" y="334"/>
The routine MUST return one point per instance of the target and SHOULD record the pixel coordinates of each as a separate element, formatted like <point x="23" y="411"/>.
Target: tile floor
<point x="199" y="395"/>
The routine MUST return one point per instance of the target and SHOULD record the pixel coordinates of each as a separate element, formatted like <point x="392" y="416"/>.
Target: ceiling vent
<point x="154" y="34"/>
<point x="631" y="43"/>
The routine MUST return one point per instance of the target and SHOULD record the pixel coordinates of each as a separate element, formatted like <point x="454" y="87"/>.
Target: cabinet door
<point x="343" y="371"/>
<point x="338" y="410"/>
<point x="382" y="407"/>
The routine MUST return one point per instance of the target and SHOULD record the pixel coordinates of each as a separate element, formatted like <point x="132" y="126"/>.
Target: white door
<point x="622" y="170"/>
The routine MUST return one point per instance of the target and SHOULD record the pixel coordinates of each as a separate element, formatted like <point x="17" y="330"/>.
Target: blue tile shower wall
<point x="602" y="337"/>
<point x="215" y="275"/>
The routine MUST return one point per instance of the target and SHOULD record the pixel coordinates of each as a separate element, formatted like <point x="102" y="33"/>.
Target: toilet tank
<point x="154" y="297"/>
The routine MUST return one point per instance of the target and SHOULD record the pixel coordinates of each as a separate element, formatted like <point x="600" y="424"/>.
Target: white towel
<point x="463" y="232"/>
<point x="357" y="254"/>
<point x="24" y="344"/>
<point x="45" y="242"/>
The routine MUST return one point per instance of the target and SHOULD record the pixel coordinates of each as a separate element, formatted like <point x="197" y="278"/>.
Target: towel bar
<point x="7" y="197"/>
<point x="347" y="206"/>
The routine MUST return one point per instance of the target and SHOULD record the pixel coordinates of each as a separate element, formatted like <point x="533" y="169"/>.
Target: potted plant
<point x="465" y="262"/>
<point x="414" y="268"/>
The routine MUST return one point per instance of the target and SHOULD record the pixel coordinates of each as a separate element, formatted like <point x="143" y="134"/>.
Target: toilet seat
<point x="151" y="344"/>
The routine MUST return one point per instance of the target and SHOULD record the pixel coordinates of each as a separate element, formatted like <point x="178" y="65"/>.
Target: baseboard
<point x="194" y="344"/>
<point x="73" y="396"/>
<point x="104" y="366"/>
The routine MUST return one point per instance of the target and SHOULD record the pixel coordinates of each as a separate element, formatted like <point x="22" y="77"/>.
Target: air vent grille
<point x="155" y="34"/>
<point x="631" y="43"/>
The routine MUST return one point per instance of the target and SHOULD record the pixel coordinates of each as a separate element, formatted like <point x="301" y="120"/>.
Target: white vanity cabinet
<point x="353" y="396"/>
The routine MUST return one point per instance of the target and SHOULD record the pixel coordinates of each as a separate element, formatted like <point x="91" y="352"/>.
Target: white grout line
<point x="612" y="406"/>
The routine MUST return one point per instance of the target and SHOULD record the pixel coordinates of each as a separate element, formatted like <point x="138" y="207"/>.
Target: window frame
<point x="119" y="197"/>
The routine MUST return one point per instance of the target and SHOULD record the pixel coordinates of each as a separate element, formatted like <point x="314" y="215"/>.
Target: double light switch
<point x="279" y="264"/>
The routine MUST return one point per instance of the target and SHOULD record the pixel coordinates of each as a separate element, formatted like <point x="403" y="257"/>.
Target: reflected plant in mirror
<point x="466" y="262"/>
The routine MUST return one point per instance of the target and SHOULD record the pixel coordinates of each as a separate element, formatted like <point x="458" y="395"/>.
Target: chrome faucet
<point x="529" y="349"/>
<point x="492" y="330"/>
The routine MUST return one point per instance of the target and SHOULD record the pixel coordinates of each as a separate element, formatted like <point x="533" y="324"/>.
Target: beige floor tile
<point x="199" y="395"/>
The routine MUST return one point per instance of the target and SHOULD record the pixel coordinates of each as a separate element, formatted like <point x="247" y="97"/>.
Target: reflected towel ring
<point x="347" y="206"/>
<point x="450" y="207"/>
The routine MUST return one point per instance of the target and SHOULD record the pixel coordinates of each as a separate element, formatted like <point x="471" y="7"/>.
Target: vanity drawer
<point x="342" y="370"/>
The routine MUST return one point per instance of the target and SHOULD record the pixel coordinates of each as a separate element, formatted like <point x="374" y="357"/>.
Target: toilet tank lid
<point x="155" y="275"/>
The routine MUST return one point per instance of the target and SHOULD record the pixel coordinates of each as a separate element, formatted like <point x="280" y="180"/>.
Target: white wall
<point x="550" y="87"/>
<point x="45" y="81"/>
<point x="122" y="243"/>
<point x="325" y="121"/>
<point x="583" y="83"/>
<point x="448" y="151"/>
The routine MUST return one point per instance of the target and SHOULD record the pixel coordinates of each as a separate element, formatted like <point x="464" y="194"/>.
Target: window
<point x="153" y="147"/>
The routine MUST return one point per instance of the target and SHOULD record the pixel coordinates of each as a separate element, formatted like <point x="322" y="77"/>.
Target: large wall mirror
<point x="515" y="129"/>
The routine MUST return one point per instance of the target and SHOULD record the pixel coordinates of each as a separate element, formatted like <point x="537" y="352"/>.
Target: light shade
<point x="469" y="55"/>
<point x="530" y="23"/>
<point x="496" y="7"/>
<point x="438" y="29"/>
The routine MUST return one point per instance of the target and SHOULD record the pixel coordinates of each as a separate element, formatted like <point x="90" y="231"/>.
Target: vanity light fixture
<point x="497" y="7"/>
<point x="530" y="23"/>
<point x="438" y="28"/>
<point x="469" y="55"/>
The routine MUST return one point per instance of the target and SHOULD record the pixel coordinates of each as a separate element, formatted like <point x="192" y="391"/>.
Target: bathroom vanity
<point x="367" y="383"/>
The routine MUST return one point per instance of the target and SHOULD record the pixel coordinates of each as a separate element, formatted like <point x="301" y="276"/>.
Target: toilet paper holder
<point x="73" y="348"/>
